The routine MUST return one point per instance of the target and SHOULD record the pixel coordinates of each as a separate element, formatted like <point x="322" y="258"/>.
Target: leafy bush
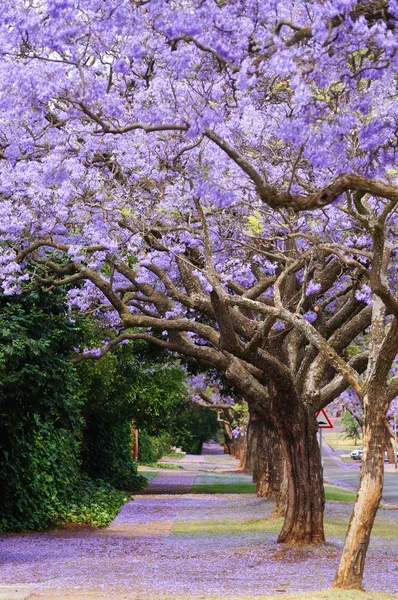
<point x="37" y="470"/>
<point x="93" y="502"/>
<point x="122" y="387"/>
<point x="40" y="421"/>
<point x="197" y="447"/>
<point x="107" y="452"/>
<point x="193" y="426"/>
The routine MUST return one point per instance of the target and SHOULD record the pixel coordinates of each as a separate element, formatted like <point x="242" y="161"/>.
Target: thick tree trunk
<point x="251" y="454"/>
<point x="350" y="571"/>
<point x="242" y="440"/>
<point x="266" y="460"/>
<point x="305" y="494"/>
<point x="238" y="447"/>
<point x="388" y="444"/>
<point x="253" y="431"/>
<point x="269" y="461"/>
<point x="294" y="419"/>
<point x="228" y="443"/>
<point x="281" y="499"/>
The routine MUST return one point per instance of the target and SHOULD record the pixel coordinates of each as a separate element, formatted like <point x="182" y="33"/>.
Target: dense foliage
<point x="352" y="428"/>
<point x="141" y="387"/>
<point x="66" y="431"/>
<point x="193" y="426"/>
<point x="132" y="387"/>
<point x="40" y="421"/>
<point x="153" y="447"/>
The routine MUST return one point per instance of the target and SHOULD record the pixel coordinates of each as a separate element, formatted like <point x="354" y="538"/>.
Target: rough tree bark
<point x="388" y="444"/>
<point x="294" y="420"/>
<point x="296" y="425"/>
<point x="265" y="460"/>
<point x="271" y="480"/>
<point x="251" y="455"/>
<point x="352" y="562"/>
<point x="241" y="452"/>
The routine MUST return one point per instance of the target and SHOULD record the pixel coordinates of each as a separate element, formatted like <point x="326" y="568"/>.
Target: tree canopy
<point x="218" y="178"/>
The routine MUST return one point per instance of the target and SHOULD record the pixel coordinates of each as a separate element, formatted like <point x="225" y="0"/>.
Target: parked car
<point x="357" y="454"/>
<point x="386" y="455"/>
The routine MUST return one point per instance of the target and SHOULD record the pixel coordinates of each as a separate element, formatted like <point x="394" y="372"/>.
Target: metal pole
<point x="320" y="444"/>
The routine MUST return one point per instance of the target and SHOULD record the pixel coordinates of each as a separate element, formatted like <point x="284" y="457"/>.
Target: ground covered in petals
<point x="188" y="545"/>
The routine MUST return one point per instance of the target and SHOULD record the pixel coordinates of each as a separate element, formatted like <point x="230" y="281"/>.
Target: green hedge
<point x="44" y="485"/>
<point x="108" y="452"/>
<point x="197" y="447"/>
<point x="41" y="478"/>
<point x="151" y="448"/>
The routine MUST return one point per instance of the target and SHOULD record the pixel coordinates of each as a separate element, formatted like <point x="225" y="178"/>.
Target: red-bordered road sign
<point x="323" y="420"/>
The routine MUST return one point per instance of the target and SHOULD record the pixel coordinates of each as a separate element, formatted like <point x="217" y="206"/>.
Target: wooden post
<point x="135" y="445"/>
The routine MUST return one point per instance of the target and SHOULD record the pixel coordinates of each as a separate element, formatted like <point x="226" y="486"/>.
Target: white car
<point x="357" y="454"/>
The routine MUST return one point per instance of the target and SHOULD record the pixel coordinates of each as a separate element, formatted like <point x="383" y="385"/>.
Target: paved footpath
<point x="171" y="481"/>
<point x="169" y="543"/>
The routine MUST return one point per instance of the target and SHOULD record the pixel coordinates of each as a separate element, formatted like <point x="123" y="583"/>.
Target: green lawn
<point x="384" y="528"/>
<point x="339" y="442"/>
<point x="336" y="493"/>
<point x="212" y="527"/>
<point x="322" y="595"/>
<point x="241" y="484"/>
<point x="148" y="474"/>
<point x="159" y="465"/>
<point x="174" y="455"/>
<point x="224" y="488"/>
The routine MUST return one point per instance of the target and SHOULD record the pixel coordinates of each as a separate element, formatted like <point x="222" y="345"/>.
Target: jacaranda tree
<point x="218" y="178"/>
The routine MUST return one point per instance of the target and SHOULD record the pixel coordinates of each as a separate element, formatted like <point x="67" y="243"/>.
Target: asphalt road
<point x="337" y="471"/>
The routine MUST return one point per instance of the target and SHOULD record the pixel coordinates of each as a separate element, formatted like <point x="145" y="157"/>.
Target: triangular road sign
<point x="323" y="420"/>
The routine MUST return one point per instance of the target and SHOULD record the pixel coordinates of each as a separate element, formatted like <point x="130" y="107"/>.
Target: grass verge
<point x="177" y="455"/>
<point x="336" y="493"/>
<point x="158" y="465"/>
<point x="227" y="484"/>
<point x="224" y="488"/>
<point x="385" y="527"/>
<point x="212" y="527"/>
<point x="149" y="475"/>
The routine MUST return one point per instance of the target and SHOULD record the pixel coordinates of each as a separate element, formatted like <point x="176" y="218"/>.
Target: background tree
<point x="352" y="428"/>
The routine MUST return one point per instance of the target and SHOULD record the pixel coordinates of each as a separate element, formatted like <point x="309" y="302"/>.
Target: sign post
<point x="323" y="423"/>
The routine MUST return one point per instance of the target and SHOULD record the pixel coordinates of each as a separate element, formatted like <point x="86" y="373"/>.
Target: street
<point x="339" y="472"/>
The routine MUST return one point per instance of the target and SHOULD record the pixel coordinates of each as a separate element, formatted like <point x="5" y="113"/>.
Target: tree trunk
<point x="294" y="419"/>
<point x="265" y="460"/>
<point x="297" y="429"/>
<point x="388" y="444"/>
<point x="350" y="571"/>
<point x="242" y="440"/>
<point x="228" y="443"/>
<point x="269" y="460"/>
<point x="251" y="455"/>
